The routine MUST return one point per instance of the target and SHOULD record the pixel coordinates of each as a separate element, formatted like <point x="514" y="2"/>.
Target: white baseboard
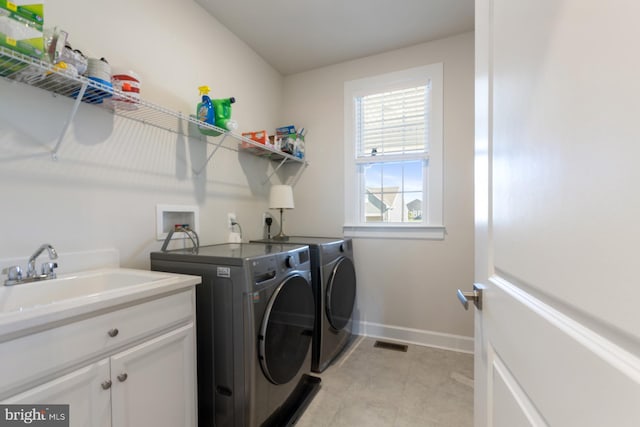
<point x="414" y="336"/>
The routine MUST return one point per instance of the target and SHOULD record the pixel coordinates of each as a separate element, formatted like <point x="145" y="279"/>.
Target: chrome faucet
<point x="14" y="273"/>
<point x="31" y="266"/>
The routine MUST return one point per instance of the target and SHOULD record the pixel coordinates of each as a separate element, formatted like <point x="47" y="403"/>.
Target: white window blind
<point x="392" y="125"/>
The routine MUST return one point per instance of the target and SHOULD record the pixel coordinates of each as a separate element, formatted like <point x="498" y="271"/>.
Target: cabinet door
<point x="82" y="389"/>
<point x="154" y="382"/>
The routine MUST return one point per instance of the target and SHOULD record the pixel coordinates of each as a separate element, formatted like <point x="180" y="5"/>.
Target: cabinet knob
<point x="106" y="385"/>
<point x="113" y="332"/>
<point x="123" y="377"/>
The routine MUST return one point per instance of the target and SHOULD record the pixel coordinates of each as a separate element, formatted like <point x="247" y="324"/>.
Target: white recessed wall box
<point x="168" y="216"/>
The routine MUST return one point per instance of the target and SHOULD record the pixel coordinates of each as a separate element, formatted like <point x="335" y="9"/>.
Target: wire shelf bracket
<point x="65" y="128"/>
<point x="217" y="145"/>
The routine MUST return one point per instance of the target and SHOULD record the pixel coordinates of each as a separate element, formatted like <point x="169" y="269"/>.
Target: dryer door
<point x="287" y="328"/>
<point x="341" y="293"/>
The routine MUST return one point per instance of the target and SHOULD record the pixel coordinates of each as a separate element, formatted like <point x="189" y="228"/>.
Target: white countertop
<point x="27" y="307"/>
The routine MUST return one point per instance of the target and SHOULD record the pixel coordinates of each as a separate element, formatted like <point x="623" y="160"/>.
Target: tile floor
<point x="375" y="387"/>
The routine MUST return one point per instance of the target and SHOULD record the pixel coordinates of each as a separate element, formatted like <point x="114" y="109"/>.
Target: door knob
<point x="474" y="296"/>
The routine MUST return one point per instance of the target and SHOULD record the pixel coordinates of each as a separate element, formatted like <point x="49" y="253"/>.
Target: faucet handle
<point x="48" y="269"/>
<point x="31" y="269"/>
<point x="14" y="274"/>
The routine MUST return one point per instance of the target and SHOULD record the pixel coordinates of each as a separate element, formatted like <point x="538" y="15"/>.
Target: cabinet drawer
<point x="30" y="360"/>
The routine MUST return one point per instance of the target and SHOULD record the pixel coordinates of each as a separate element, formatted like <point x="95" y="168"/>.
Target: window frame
<point x="433" y="226"/>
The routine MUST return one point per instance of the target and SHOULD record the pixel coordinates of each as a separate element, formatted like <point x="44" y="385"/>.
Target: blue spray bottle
<point x="205" y="112"/>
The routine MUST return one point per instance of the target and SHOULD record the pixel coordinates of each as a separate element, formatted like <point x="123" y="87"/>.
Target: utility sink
<point x="32" y="295"/>
<point x="29" y="304"/>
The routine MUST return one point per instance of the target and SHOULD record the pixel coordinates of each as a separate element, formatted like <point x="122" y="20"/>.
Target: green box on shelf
<point x="20" y="34"/>
<point x="31" y="47"/>
<point x="34" y="12"/>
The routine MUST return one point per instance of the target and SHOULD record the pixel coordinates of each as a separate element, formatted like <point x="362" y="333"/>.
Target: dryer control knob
<point x="290" y="261"/>
<point x="341" y="247"/>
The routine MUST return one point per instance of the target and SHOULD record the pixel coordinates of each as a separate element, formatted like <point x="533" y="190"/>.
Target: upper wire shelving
<point x="33" y="72"/>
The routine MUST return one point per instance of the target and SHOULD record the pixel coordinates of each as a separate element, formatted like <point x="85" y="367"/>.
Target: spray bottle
<point x="205" y="112"/>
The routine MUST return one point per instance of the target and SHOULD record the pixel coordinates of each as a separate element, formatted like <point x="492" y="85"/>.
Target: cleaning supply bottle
<point x="222" y="108"/>
<point x="205" y="112"/>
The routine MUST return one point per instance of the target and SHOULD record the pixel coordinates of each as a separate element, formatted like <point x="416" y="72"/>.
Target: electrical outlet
<point x="265" y="215"/>
<point x="231" y="219"/>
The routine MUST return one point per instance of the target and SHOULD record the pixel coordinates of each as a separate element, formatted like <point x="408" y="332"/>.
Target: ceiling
<point x="300" y="35"/>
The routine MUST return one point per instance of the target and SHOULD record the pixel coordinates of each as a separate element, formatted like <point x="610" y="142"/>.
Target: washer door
<point x="287" y="328"/>
<point x="341" y="294"/>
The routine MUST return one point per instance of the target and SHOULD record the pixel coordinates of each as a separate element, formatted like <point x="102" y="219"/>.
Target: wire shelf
<point x="20" y="68"/>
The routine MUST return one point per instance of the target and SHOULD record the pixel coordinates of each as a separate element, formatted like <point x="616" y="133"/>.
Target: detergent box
<point x="21" y="33"/>
<point x="33" y="12"/>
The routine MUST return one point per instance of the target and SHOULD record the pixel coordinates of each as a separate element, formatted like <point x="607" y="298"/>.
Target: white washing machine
<point x="255" y="316"/>
<point x="334" y="286"/>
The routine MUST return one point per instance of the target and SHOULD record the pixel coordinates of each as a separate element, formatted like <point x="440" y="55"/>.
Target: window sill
<point x="396" y="231"/>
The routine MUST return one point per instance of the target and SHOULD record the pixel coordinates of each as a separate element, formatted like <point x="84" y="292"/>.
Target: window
<point x="393" y="157"/>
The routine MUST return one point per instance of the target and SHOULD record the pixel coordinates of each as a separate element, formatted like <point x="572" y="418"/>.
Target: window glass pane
<point x="414" y="206"/>
<point x="393" y="200"/>
<point x="374" y="209"/>
<point x="393" y="191"/>
<point x="392" y="176"/>
<point x="373" y="175"/>
<point x="413" y="178"/>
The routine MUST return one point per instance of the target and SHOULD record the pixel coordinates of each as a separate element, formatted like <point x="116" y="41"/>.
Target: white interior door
<point x="557" y="212"/>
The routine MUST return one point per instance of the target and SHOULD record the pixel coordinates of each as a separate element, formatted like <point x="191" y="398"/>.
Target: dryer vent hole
<point x="391" y="346"/>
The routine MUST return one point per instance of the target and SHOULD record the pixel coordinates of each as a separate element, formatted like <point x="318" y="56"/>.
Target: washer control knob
<point x="290" y="261"/>
<point x="341" y="247"/>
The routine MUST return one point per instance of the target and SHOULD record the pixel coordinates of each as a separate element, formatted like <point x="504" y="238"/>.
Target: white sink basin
<point x="30" y="304"/>
<point x="34" y="294"/>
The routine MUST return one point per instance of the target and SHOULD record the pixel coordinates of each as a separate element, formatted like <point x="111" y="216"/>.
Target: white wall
<point x="111" y="172"/>
<point x="406" y="287"/>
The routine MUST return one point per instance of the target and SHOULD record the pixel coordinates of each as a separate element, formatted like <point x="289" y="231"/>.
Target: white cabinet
<point x="89" y="403"/>
<point x="153" y="384"/>
<point x="131" y="367"/>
